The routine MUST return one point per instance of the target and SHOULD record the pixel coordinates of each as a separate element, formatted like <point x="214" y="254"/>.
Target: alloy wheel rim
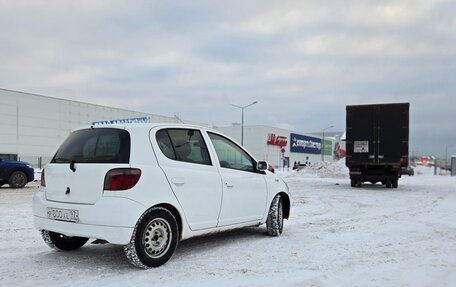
<point x="18" y="179"/>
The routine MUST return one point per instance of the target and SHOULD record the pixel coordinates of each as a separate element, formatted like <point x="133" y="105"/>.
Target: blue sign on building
<point x="305" y="144"/>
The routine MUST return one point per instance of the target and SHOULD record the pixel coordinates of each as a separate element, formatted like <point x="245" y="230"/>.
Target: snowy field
<point x="337" y="236"/>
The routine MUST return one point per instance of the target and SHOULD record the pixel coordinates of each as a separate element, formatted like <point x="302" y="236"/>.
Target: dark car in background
<point x="408" y="170"/>
<point x="15" y="173"/>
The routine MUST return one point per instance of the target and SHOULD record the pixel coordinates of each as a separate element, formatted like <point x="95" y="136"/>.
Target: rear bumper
<point x="111" y="218"/>
<point x="112" y="234"/>
<point x="375" y="172"/>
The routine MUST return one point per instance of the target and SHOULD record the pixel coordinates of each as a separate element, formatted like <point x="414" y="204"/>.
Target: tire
<point x="388" y="183"/>
<point x="18" y="179"/>
<point x="394" y="183"/>
<point x="154" y="239"/>
<point x="352" y="183"/>
<point x="62" y="242"/>
<point x="359" y="183"/>
<point x="274" y="223"/>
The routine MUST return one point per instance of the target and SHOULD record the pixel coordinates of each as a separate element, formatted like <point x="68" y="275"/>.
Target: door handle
<point x="229" y="185"/>
<point x="178" y="181"/>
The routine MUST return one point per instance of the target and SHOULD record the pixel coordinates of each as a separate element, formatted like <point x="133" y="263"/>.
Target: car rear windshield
<point x="100" y="145"/>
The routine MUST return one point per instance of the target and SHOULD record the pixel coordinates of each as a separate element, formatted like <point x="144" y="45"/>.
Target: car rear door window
<point x="185" y="145"/>
<point x="100" y="145"/>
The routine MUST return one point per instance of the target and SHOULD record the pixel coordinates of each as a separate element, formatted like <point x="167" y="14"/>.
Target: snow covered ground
<point x="336" y="236"/>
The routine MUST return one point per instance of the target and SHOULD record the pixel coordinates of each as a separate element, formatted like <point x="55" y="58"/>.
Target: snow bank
<point x="330" y="169"/>
<point x="320" y="169"/>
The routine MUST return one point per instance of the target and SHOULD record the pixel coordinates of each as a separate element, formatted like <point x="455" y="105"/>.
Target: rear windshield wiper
<point x="65" y="160"/>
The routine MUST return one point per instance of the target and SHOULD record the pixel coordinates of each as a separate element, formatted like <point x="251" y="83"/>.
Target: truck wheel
<point x="394" y="183"/>
<point x="154" y="239"/>
<point x="62" y="242"/>
<point x="388" y="183"/>
<point x="274" y="223"/>
<point x="18" y="179"/>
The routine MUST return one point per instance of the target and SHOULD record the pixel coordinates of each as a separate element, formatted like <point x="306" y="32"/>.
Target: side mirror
<point x="262" y="165"/>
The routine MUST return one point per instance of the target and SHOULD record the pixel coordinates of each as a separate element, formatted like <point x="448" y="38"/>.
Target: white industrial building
<point x="32" y="127"/>
<point x="281" y="147"/>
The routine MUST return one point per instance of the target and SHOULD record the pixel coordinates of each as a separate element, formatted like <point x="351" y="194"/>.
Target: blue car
<point x="15" y="173"/>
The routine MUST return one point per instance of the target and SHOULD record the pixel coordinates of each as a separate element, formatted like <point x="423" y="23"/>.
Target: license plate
<point x="70" y="215"/>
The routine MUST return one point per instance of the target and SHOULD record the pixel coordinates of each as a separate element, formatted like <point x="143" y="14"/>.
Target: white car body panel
<point x="244" y="197"/>
<point x="197" y="187"/>
<point x="84" y="185"/>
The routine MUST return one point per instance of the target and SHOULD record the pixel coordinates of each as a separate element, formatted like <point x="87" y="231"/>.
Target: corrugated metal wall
<point x="34" y="126"/>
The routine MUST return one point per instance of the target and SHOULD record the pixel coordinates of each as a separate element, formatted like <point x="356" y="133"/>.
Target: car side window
<point x="230" y="154"/>
<point x="165" y="144"/>
<point x="185" y="145"/>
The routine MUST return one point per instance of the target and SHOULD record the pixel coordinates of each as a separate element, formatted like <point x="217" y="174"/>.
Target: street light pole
<point x="242" y="119"/>
<point x="322" y="148"/>
<point x="242" y="128"/>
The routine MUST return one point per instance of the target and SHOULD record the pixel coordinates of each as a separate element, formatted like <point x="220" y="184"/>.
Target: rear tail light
<point x="43" y="178"/>
<point x="121" y="178"/>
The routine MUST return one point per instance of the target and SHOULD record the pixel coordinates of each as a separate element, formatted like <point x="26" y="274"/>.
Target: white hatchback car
<point x="148" y="186"/>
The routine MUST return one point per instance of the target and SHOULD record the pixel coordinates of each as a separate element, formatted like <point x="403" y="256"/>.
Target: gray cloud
<point x="304" y="61"/>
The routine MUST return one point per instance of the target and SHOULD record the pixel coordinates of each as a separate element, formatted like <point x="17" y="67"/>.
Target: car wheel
<point x="18" y="179"/>
<point x="154" y="239"/>
<point x="274" y="223"/>
<point x="62" y="242"/>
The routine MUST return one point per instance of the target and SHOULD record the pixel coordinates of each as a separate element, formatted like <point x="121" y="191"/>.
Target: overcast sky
<point x="303" y="61"/>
